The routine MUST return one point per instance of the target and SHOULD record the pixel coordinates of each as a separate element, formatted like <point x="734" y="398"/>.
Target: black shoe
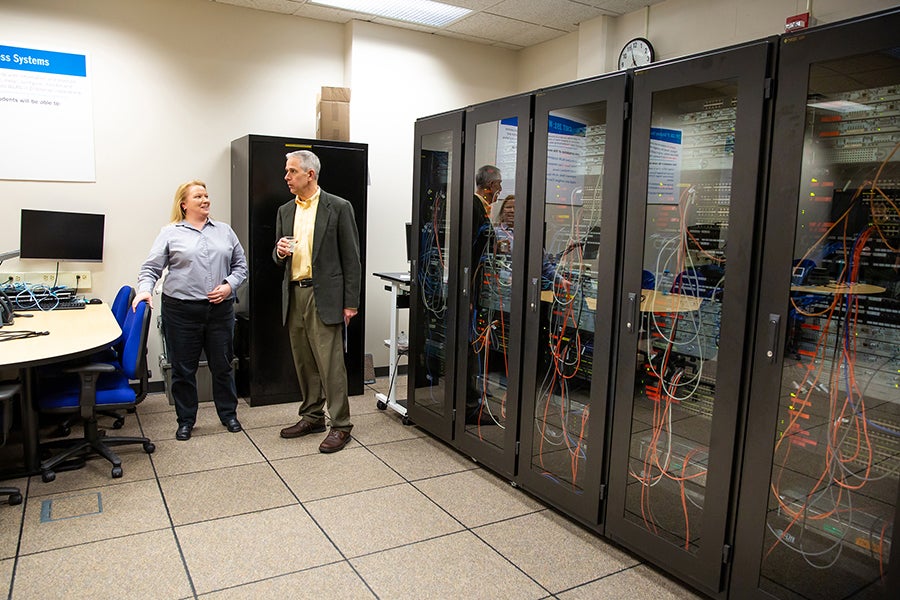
<point x="233" y="425"/>
<point x="184" y="433"/>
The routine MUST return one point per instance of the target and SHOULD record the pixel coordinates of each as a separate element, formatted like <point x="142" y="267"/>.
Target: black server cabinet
<point x="266" y="370"/>
<point x="572" y="259"/>
<point x="437" y="180"/>
<point x="694" y="180"/>
<point x="492" y="282"/>
<point x="819" y="491"/>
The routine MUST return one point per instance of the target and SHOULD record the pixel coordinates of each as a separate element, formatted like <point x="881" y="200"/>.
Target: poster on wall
<point x="565" y="161"/>
<point x="665" y="166"/>
<point x="507" y="148"/>
<point x="45" y="111"/>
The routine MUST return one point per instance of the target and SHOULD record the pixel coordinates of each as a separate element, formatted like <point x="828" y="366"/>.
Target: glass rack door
<point x="436" y="201"/>
<point x="496" y="178"/>
<point x="696" y="149"/>
<point x="826" y="440"/>
<point x="575" y="193"/>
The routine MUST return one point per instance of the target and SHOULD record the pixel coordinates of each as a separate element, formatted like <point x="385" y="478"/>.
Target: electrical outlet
<point x="80" y="280"/>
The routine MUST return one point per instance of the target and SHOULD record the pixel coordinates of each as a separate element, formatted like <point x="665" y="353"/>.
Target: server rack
<point x="492" y="285"/>
<point x="820" y="494"/>
<point x="437" y="176"/>
<point x="266" y="370"/>
<point x="573" y="241"/>
<point x="694" y="172"/>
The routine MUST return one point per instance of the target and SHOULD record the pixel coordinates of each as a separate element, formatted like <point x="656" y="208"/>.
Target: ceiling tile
<point x="285" y="7"/>
<point x="311" y="11"/>
<point x="620" y="7"/>
<point x="511" y="24"/>
<point x="556" y="14"/>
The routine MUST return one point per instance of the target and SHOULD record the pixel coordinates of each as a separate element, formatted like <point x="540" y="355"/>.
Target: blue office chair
<point x="8" y="391"/>
<point x="87" y="389"/>
<point x="120" y="308"/>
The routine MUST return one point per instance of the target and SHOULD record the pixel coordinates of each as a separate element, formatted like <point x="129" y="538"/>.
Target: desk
<point x="73" y="333"/>
<point x="399" y="287"/>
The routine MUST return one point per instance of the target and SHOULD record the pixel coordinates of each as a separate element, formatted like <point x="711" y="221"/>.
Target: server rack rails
<point x="491" y="298"/>
<point x="573" y="241"/>
<point x="819" y="493"/>
<point x="437" y="176"/>
<point x="694" y="172"/>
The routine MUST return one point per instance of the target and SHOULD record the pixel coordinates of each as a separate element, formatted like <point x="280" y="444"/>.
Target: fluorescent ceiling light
<point x="422" y="12"/>
<point x="841" y="106"/>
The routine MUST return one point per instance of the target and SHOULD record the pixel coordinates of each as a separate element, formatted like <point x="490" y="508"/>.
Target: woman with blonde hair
<point x="206" y="264"/>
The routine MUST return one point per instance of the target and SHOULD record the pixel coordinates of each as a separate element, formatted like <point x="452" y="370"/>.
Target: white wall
<point x="174" y="82"/>
<point x="398" y="76"/>
<point x="676" y="28"/>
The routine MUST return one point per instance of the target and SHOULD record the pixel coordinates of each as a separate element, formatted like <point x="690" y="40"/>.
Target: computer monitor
<point x="53" y="235"/>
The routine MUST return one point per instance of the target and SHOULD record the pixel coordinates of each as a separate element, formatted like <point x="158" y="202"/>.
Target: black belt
<point x="303" y="283"/>
<point x="167" y="298"/>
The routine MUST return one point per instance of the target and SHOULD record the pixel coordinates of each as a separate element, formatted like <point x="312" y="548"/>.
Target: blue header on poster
<point x="514" y="121"/>
<point x="673" y="136"/>
<point x="43" y="61"/>
<point x="564" y="126"/>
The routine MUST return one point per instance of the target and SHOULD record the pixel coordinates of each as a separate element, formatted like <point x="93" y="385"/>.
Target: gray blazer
<point x="336" y="268"/>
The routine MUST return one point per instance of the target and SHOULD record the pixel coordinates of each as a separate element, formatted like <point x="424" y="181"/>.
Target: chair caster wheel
<point x="382" y="405"/>
<point x="149" y="447"/>
<point x="119" y="423"/>
<point x="405" y="420"/>
<point x="48" y="476"/>
<point x="117" y="472"/>
<point x="15" y="499"/>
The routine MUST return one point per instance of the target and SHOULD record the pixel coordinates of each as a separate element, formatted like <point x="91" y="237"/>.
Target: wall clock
<point x="636" y="53"/>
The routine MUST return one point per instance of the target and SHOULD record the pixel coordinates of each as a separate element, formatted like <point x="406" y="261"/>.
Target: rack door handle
<point x="534" y="293"/>
<point x="772" y="349"/>
<point x="632" y="312"/>
<point x="465" y="282"/>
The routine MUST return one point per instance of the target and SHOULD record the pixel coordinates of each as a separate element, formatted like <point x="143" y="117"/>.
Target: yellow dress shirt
<point x="304" y="226"/>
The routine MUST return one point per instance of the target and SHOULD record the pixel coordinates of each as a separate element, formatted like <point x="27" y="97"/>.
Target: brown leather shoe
<point x="334" y="441"/>
<point x="302" y="428"/>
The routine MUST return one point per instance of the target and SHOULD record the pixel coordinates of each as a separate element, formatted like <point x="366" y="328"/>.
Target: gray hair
<point x="486" y="174"/>
<point x="307" y="159"/>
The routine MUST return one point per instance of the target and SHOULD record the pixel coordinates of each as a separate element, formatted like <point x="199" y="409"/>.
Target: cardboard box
<point x="333" y="121"/>
<point x="334" y="94"/>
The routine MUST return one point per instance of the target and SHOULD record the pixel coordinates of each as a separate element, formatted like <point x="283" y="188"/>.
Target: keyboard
<point x="50" y="304"/>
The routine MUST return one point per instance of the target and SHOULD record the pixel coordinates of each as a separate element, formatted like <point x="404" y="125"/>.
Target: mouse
<point x="95" y="301"/>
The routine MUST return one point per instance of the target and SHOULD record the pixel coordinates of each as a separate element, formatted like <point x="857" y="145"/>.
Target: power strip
<point x="73" y="279"/>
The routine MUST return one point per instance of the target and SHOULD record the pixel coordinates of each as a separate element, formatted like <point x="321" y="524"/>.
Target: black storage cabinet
<point x="266" y="370"/>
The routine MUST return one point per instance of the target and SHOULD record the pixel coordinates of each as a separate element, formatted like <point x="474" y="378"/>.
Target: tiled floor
<point x="396" y="514"/>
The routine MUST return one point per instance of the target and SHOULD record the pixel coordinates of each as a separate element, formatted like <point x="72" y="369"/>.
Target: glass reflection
<point x="490" y="281"/>
<point x="683" y="285"/>
<point x="433" y="269"/>
<point x="569" y="266"/>
<point x="837" y="450"/>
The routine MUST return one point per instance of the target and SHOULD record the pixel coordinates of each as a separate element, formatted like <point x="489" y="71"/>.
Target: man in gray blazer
<point x="318" y="246"/>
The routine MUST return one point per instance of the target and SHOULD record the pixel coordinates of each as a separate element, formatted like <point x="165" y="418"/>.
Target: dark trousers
<point x="192" y="327"/>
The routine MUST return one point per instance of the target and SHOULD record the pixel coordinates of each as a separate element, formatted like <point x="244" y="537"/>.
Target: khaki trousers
<point x="318" y="352"/>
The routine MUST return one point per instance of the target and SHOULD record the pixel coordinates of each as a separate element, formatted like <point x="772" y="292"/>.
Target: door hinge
<point x="517" y="448"/>
<point x="531" y="125"/>
<point x="627" y="114"/>
<point x="726" y="554"/>
<point x="767" y="88"/>
<point x="603" y="491"/>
